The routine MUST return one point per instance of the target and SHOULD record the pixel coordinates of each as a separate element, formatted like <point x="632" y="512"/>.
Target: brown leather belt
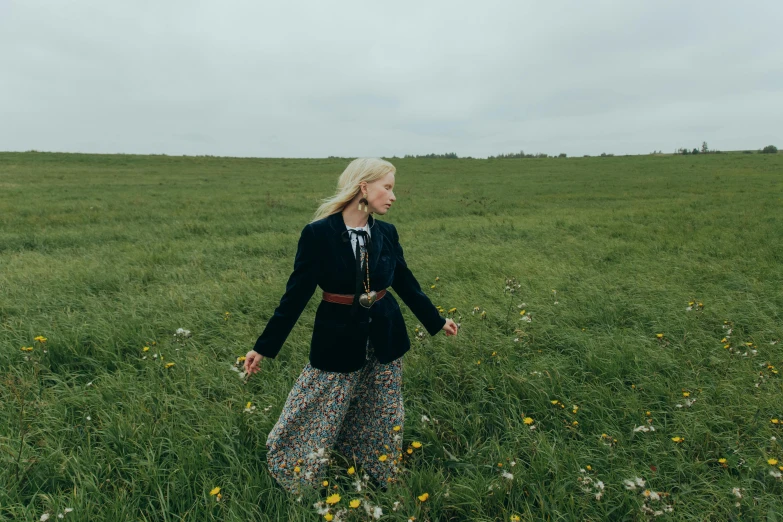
<point x="347" y="299"/>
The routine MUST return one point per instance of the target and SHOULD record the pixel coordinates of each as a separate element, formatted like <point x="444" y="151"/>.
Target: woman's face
<point x="380" y="194"/>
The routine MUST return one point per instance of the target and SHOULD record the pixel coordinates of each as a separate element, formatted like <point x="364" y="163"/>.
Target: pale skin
<point x="380" y="197"/>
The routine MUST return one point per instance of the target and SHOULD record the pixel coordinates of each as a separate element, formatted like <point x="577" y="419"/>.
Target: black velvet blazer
<point x="339" y="341"/>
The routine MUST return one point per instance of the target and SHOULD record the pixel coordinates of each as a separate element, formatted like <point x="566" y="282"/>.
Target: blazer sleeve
<point x="298" y="291"/>
<point x="406" y="286"/>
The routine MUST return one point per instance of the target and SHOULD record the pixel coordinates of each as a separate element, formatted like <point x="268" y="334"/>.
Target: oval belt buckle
<point x="367" y="300"/>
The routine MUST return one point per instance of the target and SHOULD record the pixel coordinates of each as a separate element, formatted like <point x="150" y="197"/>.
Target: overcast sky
<point x="349" y="78"/>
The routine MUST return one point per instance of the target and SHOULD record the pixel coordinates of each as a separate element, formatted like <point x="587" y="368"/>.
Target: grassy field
<point x="604" y="383"/>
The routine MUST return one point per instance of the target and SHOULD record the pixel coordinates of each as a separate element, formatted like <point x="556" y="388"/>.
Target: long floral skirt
<point x="360" y="414"/>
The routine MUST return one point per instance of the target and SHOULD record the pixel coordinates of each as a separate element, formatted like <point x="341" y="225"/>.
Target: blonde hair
<point x="360" y="169"/>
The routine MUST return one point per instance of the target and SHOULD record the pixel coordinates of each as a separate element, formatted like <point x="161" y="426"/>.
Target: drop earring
<point x="364" y="202"/>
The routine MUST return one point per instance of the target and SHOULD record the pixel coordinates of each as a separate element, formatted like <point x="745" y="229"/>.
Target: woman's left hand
<point x="450" y="328"/>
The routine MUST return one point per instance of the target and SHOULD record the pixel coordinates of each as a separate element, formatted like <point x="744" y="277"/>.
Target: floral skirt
<point x="360" y="414"/>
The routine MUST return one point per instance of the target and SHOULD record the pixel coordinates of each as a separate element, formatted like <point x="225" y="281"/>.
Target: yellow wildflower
<point x="333" y="499"/>
<point x="515" y="518"/>
<point x="351" y="470"/>
<point x="409" y="451"/>
<point x="27" y="348"/>
<point x="686" y="394"/>
<point x="297" y="469"/>
<point x="325" y="483"/>
<point x="396" y="428"/>
<point x="575" y="423"/>
<point x="659" y="336"/>
<point x="452" y="310"/>
<point x="589" y="467"/>
<point x="437" y="279"/>
<point x="241" y="358"/>
<point x="355" y="503"/>
<point x="724" y="340"/>
<point x="678" y="439"/>
<point x="328" y="517"/>
<point x="40" y="339"/>
<point x="528" y="420"/>
<point x="774" y="421"/>
<point x="169" y="365"/>
<point x="383" y="458"/>
<point x="145" y="349"/>
<point x="215" y="491"/>
<point x="554" y="402"/>
<point x="721" y="461"/>
<point x="424" y="496"/>
<point x="522" y="312"/>
<point x="772" y="462"/>
<point x="247" y="406"/>
<point x="416" y="444"/>
<point x="432" y="286"/>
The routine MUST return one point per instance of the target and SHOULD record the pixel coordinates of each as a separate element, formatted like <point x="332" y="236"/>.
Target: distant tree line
<point x="521" y="154"/>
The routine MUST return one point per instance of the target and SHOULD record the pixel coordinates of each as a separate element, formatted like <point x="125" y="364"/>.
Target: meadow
<point x="618" y="356"/>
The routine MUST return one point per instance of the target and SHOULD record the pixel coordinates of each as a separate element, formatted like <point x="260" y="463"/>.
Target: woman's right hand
<point x="252" y="360"/>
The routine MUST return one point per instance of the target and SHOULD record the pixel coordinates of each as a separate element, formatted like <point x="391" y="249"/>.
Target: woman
<point x="348" y="396"/>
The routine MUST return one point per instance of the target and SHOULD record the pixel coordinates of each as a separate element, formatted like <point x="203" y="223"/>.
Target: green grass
<point x="103" y="255"/>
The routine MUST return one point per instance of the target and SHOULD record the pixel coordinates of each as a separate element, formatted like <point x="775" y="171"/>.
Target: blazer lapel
<point x="376" y="240"/>
<point x="343" y="242"/>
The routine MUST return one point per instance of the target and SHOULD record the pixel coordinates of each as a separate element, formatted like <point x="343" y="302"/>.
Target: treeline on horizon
<point x="704" y="149"/>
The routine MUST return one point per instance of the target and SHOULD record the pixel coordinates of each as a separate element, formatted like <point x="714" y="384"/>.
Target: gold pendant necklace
<point x="368" y="298"/>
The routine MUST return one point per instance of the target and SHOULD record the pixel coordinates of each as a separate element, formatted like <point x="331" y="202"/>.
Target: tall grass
<point x="104" y="255"/>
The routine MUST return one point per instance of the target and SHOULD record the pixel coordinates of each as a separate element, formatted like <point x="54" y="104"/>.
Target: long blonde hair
<point x="360" y="169"/>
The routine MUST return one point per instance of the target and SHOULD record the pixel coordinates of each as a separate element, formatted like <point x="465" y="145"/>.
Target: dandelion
<point x="355" y="503"/>
<point x="772" y="462"/>
<point x="437" y="279"/>
<point x="215" y="491"/>
<point x="416" y="444"/>
<point x="514" y="518"/>
<point x="351" y="470"/>
<point x="424" y="496"/>
<point x="522" y="312"/>
<point x="452" y="310"/>
<point x="145" y="349"/>
<point x="396" y="428"/>
<point x="686" y="394"/>
<point x="333" y="499"/>
<point x="432" y="287"/>
<point x="678" y="439"/>
<point x="722" y="462"/>
<point x="383" y="458"/>
<point x="528" y="420"/>
<point x="409" y="451"/>
<point x="41" y="339"/>
<point x="325" y="483"/>
<point x="659" y="336"/>
<point x="328" y="517"/>
<point x="774" y="421"/>
<point x="168" y="365"/>
<point x="26" y="348"/>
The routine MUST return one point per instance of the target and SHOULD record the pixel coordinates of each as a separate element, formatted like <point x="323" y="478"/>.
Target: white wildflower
<point x="44" y="517"/>
<point x="396" y="506"/>
<point x="644" y="428"/>
<point x="775" y="473"/>
<point x="321" y="508"/>
<point x="737" y="492"/>
<point x="424" y="418"/>
<point x="507" y="475"/>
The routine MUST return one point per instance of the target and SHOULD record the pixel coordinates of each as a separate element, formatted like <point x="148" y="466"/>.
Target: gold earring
<point x="364" y="202"/>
